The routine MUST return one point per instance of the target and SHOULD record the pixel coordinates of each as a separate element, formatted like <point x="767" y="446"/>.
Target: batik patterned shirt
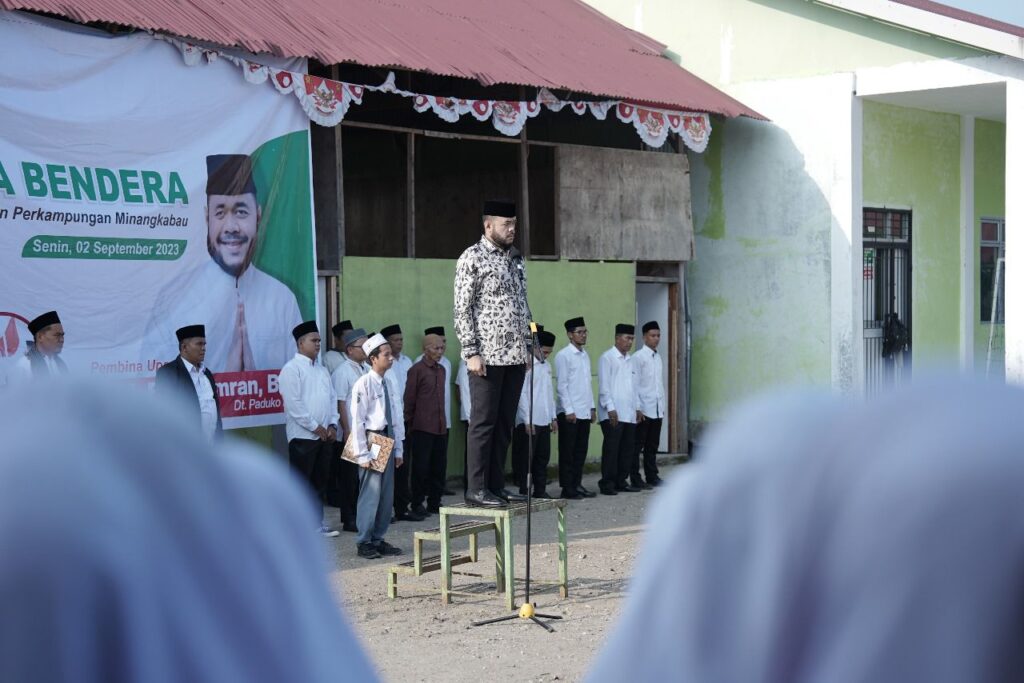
<point x="492" y="316"/>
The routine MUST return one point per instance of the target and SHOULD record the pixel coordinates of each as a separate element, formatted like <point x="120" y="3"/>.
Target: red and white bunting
<point x="326" y="102"/>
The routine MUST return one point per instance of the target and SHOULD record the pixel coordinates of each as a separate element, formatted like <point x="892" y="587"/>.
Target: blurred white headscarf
<point x="131" y="550"/>
<point x="827" y="541"/>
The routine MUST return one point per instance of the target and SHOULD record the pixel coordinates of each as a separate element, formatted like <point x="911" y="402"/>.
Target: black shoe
<point x="654" y="482"/>
<point x="626" y="488"/>
<point x="368" y="551"/>
<point x="433" y="509"/>
<point x="410" y="516"/>
<point x="640" y="484"/>
<point x="350" y="526"/>
<point x="509" y="496"/>
<point x="609" y="492"/>
<point x="447" y="492"/>
<point x="421" y="511"/>
<point x="544" y="495"/>
<point x="484" y="499"/>
<point x="571" y="495"/>
<point x="586" y="493"/>
<point x="385" y="548"/>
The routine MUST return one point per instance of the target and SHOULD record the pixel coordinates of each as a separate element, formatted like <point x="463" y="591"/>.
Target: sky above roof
<point x="1010" y="11"/>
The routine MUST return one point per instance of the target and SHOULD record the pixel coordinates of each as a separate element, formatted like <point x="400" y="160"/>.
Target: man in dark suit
<point x="186" y="377"/>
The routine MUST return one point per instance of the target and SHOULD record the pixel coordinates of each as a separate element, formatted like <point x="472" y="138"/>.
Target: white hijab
<point x="827" y="541"/>
<point x="131" y="550"/>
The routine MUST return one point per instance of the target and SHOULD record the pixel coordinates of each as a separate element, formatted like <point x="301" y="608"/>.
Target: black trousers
<point x="648" y="436"/>
<point x="342" y="484"/>
<point x="541" y="456"/>
<point x="311" y="458"/>
<point x="465" y="453"/>
<point x="429" y="454"/>
<point x="403" y="496"/>
<point x="573" y="440"/>
<point x="616" y="452"/>
<point x="494" y="398"/>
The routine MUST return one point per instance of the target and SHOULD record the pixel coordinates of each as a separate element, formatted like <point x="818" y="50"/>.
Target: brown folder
<point x="380" y="447"/>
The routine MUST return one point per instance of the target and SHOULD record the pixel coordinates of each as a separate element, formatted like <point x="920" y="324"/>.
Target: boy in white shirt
<point x="540" y="427"/>
<point x="375" y="405"/>
<point x="618" y="409"/>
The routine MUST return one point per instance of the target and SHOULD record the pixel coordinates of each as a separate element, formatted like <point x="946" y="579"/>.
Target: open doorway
<point x="654" y="301"/>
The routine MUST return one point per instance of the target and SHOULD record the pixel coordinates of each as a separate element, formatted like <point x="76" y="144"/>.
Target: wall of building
<point x="989" y="202"/>
<point x="733" y="41"/>
<point x="912" y="161"/>
<point x="417" y="293"/>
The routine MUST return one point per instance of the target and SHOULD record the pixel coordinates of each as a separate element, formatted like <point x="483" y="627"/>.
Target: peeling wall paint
<point x="912" y="160"/>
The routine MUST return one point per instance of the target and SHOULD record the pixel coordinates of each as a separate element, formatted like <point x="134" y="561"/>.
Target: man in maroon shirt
<point x="426" y="426"/>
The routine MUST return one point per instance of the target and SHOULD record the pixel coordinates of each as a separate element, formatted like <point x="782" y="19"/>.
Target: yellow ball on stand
<point x="526" y="611"/>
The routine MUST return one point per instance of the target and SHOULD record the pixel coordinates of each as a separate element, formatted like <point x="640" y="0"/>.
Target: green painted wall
<point x="759" y="285"/>
<point x="989" y="202"/>
<point x="733" y="41"/>
<point x="912" y="160"/>
<point x="417" y="293"/>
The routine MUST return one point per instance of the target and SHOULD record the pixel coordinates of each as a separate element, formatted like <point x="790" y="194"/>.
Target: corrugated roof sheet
<point x="558" y="44"/>
<point x="964" y="15"/>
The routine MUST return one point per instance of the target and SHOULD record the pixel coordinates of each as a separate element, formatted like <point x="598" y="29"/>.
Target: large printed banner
<point x="138" y="195"/>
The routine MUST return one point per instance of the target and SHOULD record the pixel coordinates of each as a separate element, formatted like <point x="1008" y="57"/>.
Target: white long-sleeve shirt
<point x="616" y="387"/>
<point x="647" y="365"/>
<point x="447" y="365"/>
<point x="309" y="398"/>
<point x="399" y="372"/>
<point x="367" y="410"/>
<point x="575" y="390"/>
<point x="543" y="396"/>
<point x="462" y="382"/>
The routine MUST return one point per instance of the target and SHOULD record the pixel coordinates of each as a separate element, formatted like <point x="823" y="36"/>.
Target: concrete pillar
<point x="1014" y="231"/>
<point x="846" y="276"/>
<point x="968" y="252"/>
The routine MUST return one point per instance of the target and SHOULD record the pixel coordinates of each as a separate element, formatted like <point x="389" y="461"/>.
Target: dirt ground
<point x="416" y="638"/>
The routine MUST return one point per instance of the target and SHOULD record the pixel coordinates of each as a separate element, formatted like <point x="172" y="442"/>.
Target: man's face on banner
<point x="232" y="222"/>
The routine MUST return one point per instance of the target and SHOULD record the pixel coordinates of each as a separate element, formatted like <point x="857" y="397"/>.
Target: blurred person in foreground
<point x="821" y="539"/>
<point x="143" y="554"/>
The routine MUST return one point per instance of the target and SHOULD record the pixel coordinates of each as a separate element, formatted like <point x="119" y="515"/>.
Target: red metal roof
<point x="558" y="44"/>
<point x="963" y="15"/>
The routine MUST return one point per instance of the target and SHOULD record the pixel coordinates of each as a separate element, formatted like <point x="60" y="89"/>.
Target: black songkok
<point x="572" y="323"/>
<point x="653" y="325"/>
<point x="229" y="174"/>
<point x="499" y="207"/>
<point x="42" y="322"/>
<point x="546" y="339"/>
<point x="390" y="330"/>
<point x="623" y="328"/>
<point x="190" y="331"/>
<point x="439" y="331"/>
<point x="339" y="328"/>
<point x="302" y="329"/>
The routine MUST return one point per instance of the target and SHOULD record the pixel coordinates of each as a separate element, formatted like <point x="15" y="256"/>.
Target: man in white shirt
<point x="539" y="427"/>
<point x="187" y="378"/>
<point x="648" y="367"/>
<point x="375" y="406"/>
<point x="576" y="411"/>
<point x="343" y="481"/>
<point x="447" y="365"/>
<point x="247" y="312"/>
<point x="43" y="358"/>
<point x="396" y="340"/>
<point x="336" y="356"/>
<point x="465" y="409"/>
<point x="618" y="409"/>
<point x="310" y="413"/>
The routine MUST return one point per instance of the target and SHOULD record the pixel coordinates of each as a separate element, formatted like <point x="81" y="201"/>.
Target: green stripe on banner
<point x="109" y="248"/>
<point x="285" y="248"/>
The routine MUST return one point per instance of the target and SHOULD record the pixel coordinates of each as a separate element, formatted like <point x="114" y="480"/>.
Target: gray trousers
<point x="376" y="496"/>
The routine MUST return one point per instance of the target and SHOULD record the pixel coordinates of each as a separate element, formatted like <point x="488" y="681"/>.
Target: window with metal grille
<point x="992" y="248"/>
